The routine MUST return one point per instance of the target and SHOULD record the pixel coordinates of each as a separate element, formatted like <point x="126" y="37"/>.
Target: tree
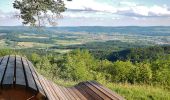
<point x="78" y="65"/>
<point x="35" y="58"/>
<point x="142" y="73"/>
<point x="39" y="12"/>
<point x="161" y="71"/>
<point x="55" y="70"/>
<point x="120" y="71"/>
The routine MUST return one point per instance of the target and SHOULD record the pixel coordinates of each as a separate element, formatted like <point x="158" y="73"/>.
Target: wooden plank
<point x="100" y="89"/>
<point x="81" y="96"/>
<point x="20" y="77"/>
<point x="73" y="94"/>
<point x="29" y="77"/>
<point x="107" y="91"/>
<point x="68" y="93"/>
<point x="103" y="96"/>
<point x="1" y="60"/>
<point x="82" y="91"/>
<point x="47" y="90"/>
<point x="65" y="94"/>
<point x="36" y="78"/>
<point x="90" y="92"/>
<point x="9" y="74"/>
<point x="50" y="88"/>
<point x="3" y="66"/>
<point x="59" y="92"/>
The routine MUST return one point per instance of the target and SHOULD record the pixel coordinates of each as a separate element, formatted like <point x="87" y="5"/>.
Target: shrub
<point x="120" y="71"/>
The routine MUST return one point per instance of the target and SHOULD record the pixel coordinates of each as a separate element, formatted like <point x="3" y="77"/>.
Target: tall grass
<point x="140" y="92"/>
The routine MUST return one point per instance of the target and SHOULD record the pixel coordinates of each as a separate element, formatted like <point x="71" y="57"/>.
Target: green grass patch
<point x="140" y="92"/>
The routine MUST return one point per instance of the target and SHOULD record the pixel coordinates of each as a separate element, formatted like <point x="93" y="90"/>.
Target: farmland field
<point x="66" y="37"/>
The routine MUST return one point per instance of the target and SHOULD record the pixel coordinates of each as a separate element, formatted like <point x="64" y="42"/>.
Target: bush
<point x="144" y="73"/>
<point x="78" y="65"/>
<point x="120" y="71"/>
<point x="161" y="72"/>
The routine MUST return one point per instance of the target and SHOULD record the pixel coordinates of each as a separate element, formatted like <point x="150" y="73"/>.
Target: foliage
<point x="161" y="72"/>
<point x="120" y="71"/>
<point x="78" y="65"/>
<point x="141" y="73"/>
<point x="36" y="12"/>
<point x="81" y="65"/>
<point x="140" y="54"/>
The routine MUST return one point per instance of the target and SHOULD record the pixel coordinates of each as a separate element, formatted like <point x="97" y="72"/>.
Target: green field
<point x="24" y="37"/>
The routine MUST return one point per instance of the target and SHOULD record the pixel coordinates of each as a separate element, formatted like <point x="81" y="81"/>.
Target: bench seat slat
<point x="9" y="74"/>
<point x="82" y="91"/>
<point x="3" y="66"/>
<point x="59" y="92"/>
<point x="81" y="96"/>
<point x="107" y="91"/>
<point x="29" y="76"/>
<point x="103" y="96"/>
<point x="20" y="77"/>
<point x="36" y="78"/>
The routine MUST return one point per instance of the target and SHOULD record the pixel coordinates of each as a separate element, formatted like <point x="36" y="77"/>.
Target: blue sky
<point x="102" y="13"/>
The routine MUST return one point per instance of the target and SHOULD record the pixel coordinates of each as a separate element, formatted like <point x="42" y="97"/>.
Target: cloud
<point x="7" y="15"/>
<point x="143" y="11"/>
<point x="126" y="3"/>
<point x="2" y="14"/>
<point x="8" y="19"/>
<point x="125" y="8"/>
<point x="89" y="5"/>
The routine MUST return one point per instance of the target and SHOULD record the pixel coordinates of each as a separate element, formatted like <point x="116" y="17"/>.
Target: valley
<point x="26" y="37"/>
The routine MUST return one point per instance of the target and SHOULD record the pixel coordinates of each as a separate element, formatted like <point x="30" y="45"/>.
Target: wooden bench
<point x="20" y="81"/>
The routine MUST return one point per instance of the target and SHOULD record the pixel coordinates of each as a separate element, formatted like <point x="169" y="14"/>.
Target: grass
<point x="33" y="44"/>
<point x="26" y="44"/>
<point x="2" y="43"/>
<point x="140" y="92"/>
<point x="32" y="36"/>
<point x="67" y="42"/>
<point x="62" y="50"/>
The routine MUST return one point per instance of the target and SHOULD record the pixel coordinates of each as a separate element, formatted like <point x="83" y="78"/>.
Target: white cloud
<point x="159" y="11"/>
<point x="126" y="8"/>
<point x="7" y="15"/>
<point x="2" y="14"/>
<point x="90" y="5"/>
<point x="76" y="15"/>
<point x="144" y="11"/>
<point x="126" y="3"/>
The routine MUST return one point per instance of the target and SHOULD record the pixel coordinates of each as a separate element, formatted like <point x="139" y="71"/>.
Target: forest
<point x="147" y="66"/>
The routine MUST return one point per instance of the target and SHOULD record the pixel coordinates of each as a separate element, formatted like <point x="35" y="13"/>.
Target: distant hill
<point x="150" y="31"/>
<point x="86" y="37"/>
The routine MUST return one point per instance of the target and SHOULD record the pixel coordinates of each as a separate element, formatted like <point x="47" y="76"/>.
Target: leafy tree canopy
<point x="39" y="12"/>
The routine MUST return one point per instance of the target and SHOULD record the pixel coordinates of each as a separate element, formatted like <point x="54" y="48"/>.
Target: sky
<point x="102" y="13"/>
